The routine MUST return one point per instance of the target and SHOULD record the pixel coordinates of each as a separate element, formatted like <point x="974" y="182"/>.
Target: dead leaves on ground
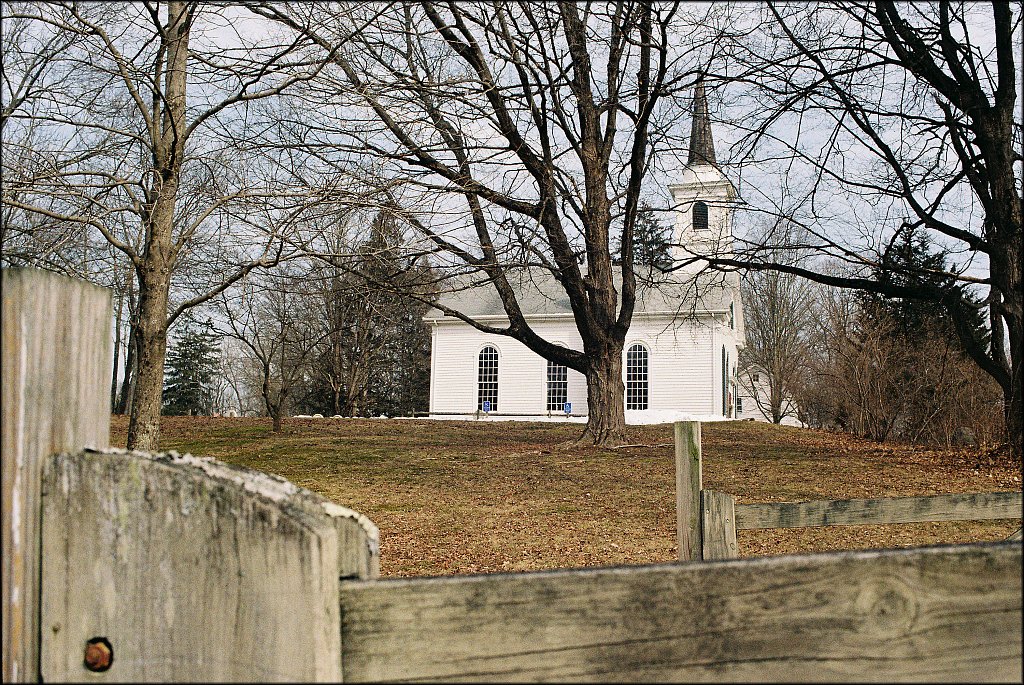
<point x="487" y="496"/>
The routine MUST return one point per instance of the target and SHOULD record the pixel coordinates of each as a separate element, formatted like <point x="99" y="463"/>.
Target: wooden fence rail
<point x="711" y="519"/>
<point x="168" y="567"/>
<point x="930" y="614"/>
<point x="973" y="506"/>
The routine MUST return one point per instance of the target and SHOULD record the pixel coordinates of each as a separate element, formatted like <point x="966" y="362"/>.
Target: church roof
<point x="702" y="144"/>
<point x="539" y="294"/>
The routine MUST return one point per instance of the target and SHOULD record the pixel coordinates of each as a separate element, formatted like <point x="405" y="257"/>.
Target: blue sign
<point x="568" y="407"/>
<point x="487" y="406"/>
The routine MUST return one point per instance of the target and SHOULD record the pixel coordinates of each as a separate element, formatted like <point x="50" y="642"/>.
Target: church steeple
<point x="702" y="145"/>
<point x="703" y="194"/>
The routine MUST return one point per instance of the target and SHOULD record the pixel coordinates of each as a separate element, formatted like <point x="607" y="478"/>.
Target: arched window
<point x="558" y="386"/>
<point x="487" y="379"/>
<point x="700" y="216"/>
<point x="636" y="377"/>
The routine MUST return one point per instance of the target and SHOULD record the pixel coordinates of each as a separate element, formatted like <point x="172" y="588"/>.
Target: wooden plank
<point x="855" y="512"/>
<point x="928" y="614"/>
<point x="358" y="543"/>
<point x="56" y="362"/>
<point x="192" y="569"/>
<point x="718" y="525"/>
<point x="688" y="486"/>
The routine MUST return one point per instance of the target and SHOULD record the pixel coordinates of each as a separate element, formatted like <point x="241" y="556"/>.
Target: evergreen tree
<point x="190" y="370"/>
<point x="652" y="240"/>
<point x="403" y="367"/>
<point x="909" y="347"/>
<point x="913" y="261"/>
<point x="376" y="354"/>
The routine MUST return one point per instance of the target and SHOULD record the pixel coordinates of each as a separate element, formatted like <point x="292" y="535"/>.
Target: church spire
<point x="702" y="145"/>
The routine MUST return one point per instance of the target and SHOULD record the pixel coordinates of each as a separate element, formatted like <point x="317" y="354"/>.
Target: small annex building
<point x="680" y="356"/>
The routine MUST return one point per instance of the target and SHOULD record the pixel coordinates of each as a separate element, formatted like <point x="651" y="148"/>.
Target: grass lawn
<point x="475" y="497"/>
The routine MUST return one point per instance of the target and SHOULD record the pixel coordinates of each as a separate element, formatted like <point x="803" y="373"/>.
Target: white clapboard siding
<point x="684" y="375"/>
<point x="680" y="371"/>
<point x="522" y="374"/>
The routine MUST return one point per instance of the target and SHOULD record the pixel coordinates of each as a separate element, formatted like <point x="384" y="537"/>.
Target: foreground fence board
<point x="57" y="356"/>
<point x="854" y="512"/>
<point x="193" y="570"/>
<point x="943" y="613"/>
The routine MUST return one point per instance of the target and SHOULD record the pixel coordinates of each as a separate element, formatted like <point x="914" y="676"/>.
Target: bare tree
<point x="778" y="313"/>
<point x="895" y="118"/>
<point x="274" y="318"/>
<point x="148" y="110"/>
<point x="868" y="377"/>
<point x="523" y="134"/>
<point x="241" y="380"/>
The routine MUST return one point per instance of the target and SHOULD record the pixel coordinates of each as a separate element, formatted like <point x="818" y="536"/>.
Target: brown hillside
<point x="475" y="497"/>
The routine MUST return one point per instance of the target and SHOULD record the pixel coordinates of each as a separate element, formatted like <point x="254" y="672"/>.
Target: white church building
<point x="681" y="351"/>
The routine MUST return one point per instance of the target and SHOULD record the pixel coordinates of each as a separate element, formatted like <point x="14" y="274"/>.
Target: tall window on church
<point x="636" y="377"/>
<point x="487" y="379"/>
<point x="700" y="216"/>
<point x="725" y="382"/>
<point x="558" y="386"/>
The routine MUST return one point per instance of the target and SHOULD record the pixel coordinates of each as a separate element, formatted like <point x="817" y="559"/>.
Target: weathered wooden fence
<point x="168" y="567"/>
<point x="707" y="521"/>
<point x="56" y="366"/>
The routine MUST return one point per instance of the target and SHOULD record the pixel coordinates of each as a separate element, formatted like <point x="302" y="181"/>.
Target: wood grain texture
<point x="688" y="486"/>
<point x="358" y="543"/>
<point x="853" y="512"/>
<point x="719" y="525"/>
<point x="56" y="362"/>
<point x="194" y="570"/>
<point x="929" y="614"/>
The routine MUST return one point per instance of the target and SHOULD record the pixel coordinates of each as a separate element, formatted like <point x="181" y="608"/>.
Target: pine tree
<point x="376" y="355"/>
<point x="652" y="240"/>
<point x="913" y="261"/>
<point x="190" y="370"/>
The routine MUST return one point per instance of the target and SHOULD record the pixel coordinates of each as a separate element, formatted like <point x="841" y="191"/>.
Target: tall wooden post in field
<point x="688" y="486"/>
<point x="56" y="365"/>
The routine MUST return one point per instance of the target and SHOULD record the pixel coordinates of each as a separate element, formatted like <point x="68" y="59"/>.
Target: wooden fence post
<point x="688" y="486"/>
<point x="193" y="570"/>
<point x="718" y="525"/>
<point x="57" y="356"/>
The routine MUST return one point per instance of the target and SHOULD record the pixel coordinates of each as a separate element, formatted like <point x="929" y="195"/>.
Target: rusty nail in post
<point x="98" y="654"/>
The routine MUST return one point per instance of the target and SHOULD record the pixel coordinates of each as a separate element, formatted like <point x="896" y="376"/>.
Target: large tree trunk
<point x="118" y="319"/>
<point x="158" y="258"/>
<point x="144" y="425"/>
<point x="1013" y="408"/>
<point x="1013" y="393"/>
<point x="336" y="398"/>
<point x="606" y="420"/>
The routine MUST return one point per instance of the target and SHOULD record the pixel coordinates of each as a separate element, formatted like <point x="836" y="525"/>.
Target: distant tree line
<point x="886" y="368"/>
<point x="182" y="171"/>
<point x="334" y="333"/>
<point x="340" y="332"/>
